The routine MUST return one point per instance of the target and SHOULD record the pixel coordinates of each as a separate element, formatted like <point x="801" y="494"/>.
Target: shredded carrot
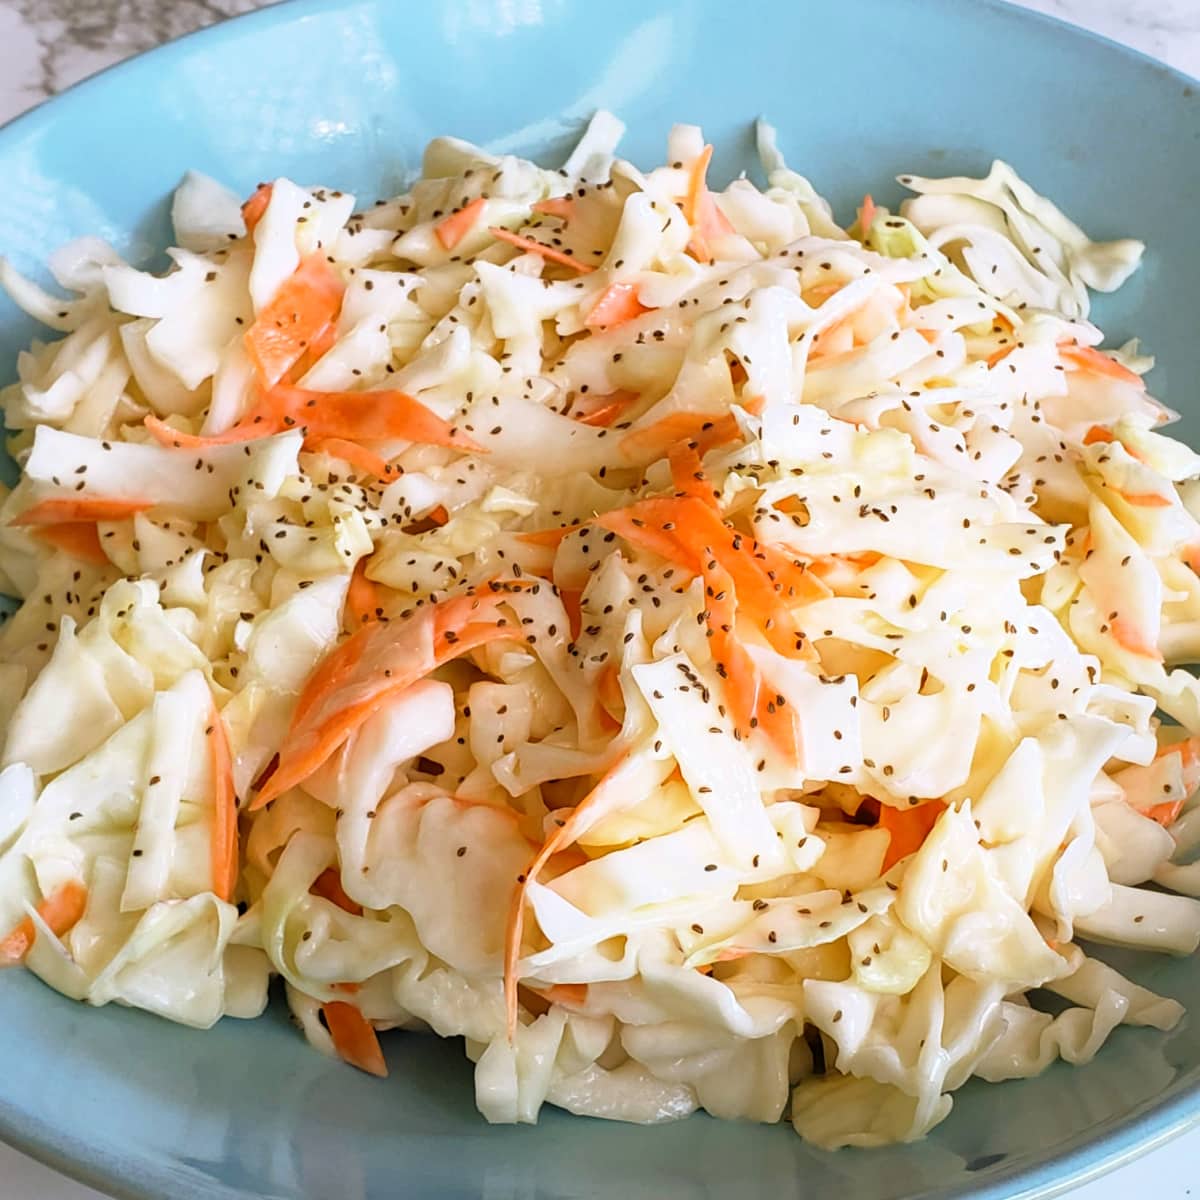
<point x="866" y="217"/>
<point x="615" y="305"/>
<point x="751" y="705"/>
<point x="358" y="456"/>
<point x="569" y="995"/>
<point x="354" y="1038"/>
<point x="562" y="837"/>
<point x="548" y="537"/>
<point x="253" y="209"/>
<point x="609" y="409"/>
<point x="608" y="688"/>
<point x="350" y="416"/>
<point x="375" y="664"/>
<point x="60" y="911"/>
<point x="329" y="887"/>
<point x="701" y="211"/>
<point x="452" y="229"/>
<point x="998" y="356"/>
<point x="687" y="532"/>
<point x="696" y="186"/>
<point x="1186" y="749"/>
<point x="1097" y="433"/>
<point x="556" y="206"/>
<point x="362" y="597"/>
<point x="79" y="539"/>
<point x="302" y="311"/>
<point x="687" y="474"/>
<point x="225" y="810"/>
<point x="314" y="352"/>
<point x="909" y="827"/>
<point x="1166" y="813"/>
<point x="930" y="335"/>
<point x="1145" y="499"/>
<point x="1130" y="638"/>
<point x="1092" y="361"/>
<point x="706" y="430"/>
<point x="546" y="252"/>
<point x="572" y="602"/>
<point x="62" y="511"/>
<point x="435" y="518"/>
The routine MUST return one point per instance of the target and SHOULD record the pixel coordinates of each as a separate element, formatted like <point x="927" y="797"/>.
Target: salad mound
<point x="702" y="656"/>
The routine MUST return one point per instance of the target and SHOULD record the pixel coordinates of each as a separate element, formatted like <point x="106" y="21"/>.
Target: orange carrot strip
<point x="615" y="305"/>
<point x="79" y="539"/>
<point x="303" y="308"/>
<point x="452" y="229"/>
<point x="356" y="455"/>
<point x="82" y="508"/>
<point x="751" y="705"/>
<point x="608" y="688"/>
<point x="572" y="602"/>
<point x="352" y="416"/>
<point x="1130" y="638"/>
<point x="253" y="209"/>
<point x="866" y="216"/>
<point x="313" y="353"/>
<point x="696" y="185"/>
<point x="546" y="252"/>
<point x="1166" y="813"/>
<point x="569" y="995"/>
<point x="909" y="827"/>
<point x="1097" y="433"/>
<point x="225" y="811"/>
<point x="562" y="837"/>
<point x="1144" y="499"/>
<point x="354" y="1038"/>
<point x="61" y="911"/>
<point x="547" y="537"/>
<point x="701" y="211"/>
<point x="1000" y="355"/>
<point x="690" y="533"/>
<point x="1092" y="361"/>
<point x="1186" y="749"/>
<point x="373" y="665"/>
<point x="329" y="887"/>
<point x="686" y="531"/>
<point x="687" y="474"/>
<point x="706" y="430"/>
<point x="556" y="206"/>
<point x="362" y="597"/>
<point x="608" y="409"/>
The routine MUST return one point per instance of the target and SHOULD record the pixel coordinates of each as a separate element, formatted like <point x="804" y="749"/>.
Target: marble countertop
<point x="46" y="45"/>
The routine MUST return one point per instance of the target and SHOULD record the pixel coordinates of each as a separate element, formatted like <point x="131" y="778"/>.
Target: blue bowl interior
<point x="347" y="93"/>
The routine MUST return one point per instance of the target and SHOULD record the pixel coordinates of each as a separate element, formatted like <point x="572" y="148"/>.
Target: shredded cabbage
<point x="702" y="656"/>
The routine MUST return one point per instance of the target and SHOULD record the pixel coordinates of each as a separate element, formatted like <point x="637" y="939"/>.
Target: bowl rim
<point x="128" y="1177"/>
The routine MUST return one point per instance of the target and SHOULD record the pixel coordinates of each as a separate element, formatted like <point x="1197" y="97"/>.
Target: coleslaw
<point x="702" y="656"/>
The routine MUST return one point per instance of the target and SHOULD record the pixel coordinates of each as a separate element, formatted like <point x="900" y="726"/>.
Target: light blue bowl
<point x="347" y="93"/>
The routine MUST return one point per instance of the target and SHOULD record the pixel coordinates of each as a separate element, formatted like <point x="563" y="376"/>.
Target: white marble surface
<point x="46" y="45"/>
